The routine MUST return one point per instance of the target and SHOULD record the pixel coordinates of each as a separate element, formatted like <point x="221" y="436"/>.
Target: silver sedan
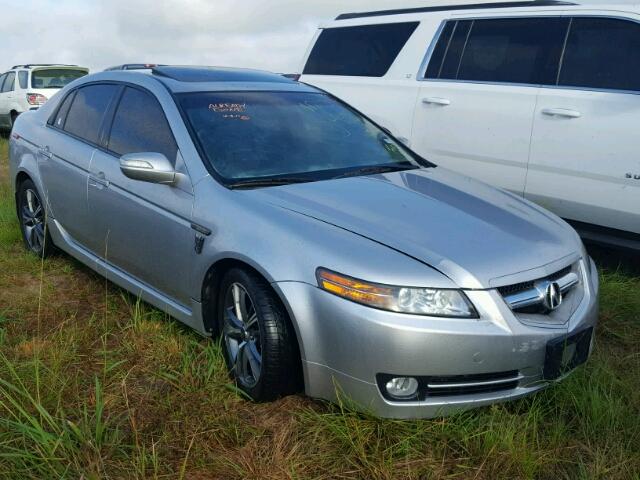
<point x="329" y="256"/>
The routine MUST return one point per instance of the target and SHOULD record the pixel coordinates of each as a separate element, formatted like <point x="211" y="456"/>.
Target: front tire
<point x="32" y="218"/>
<point x="257" y="338"/>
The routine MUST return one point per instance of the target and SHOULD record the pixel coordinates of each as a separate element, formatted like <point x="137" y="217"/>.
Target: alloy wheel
<point x="241" y="332"/>
<point x="33" y="220"/>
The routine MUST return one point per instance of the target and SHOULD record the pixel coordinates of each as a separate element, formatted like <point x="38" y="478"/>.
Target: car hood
<point x="478" y="236"/>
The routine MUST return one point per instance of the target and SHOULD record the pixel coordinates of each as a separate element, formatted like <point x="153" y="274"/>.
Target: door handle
<point x="561" y="112"/>
<point x="436" y="101"/>
<point x="45" y="152"/>
<point x="98" y="181"/>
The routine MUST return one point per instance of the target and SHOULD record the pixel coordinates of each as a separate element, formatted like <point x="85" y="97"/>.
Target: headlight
<point x="418" y="301"/>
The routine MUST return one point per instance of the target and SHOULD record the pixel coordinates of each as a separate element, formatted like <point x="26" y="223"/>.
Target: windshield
<point x="54" y="77"/>
<point x="309" y="136"/>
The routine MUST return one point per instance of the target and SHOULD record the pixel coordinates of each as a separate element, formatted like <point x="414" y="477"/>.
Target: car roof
<point x="185" y="79"/>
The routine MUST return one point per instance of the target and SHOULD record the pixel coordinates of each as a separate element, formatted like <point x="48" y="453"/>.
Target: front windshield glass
<point x="267" y="135"/>
<point x="54" y="77"/>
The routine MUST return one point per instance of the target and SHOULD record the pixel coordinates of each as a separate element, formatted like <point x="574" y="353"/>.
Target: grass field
<point x="94" y="384"/>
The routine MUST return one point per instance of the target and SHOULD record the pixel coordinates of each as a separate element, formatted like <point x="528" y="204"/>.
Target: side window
<point x="602" y="53"/>
<point x="505" y="50"/>
<point x="23" y="79"/>
<point x="363" y="51"/>
<point x="440" y="50"/>
<point x="451" y="63"/>
<point x="515" y="50"/>
<point x="8" y="82"/>
<point x="140" y="125"/>
<point x="87" y="111"/>
<point x="2" y="78"/>
<point x="57" y="120"/>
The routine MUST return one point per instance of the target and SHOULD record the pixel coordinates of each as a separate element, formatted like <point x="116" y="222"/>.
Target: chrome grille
<point x="528" y="297"/>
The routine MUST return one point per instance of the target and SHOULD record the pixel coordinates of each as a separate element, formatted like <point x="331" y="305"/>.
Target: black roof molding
<point x="445" y="8"/>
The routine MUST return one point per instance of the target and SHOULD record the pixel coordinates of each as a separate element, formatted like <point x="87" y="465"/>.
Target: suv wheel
<point x="32" y="217"/>
<point x="13" y="116"/>
<point x="257" y="338"/>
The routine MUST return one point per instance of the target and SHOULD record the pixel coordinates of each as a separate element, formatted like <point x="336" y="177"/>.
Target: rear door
<point x="585" y="164"/>
<point x="478" y="95"/>
<point x="142" y="228"/>
<point x="67" y="146"/>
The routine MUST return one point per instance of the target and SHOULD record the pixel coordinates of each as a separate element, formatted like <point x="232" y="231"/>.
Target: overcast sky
<point x="268" y="34"/>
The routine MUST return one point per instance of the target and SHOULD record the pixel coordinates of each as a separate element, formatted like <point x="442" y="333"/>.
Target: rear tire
<point x="257" y="338"/>
<point x="33" y="220"/>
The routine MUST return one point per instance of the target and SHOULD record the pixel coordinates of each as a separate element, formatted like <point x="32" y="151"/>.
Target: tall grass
<point x="96" y="384"/>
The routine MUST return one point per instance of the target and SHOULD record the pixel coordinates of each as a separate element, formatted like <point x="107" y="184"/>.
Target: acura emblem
<point x="552" y="297"/>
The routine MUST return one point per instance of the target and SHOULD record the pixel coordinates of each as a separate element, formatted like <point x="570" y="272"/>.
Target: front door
<point x="142" y="228"/>
<point x="475" y="109"/>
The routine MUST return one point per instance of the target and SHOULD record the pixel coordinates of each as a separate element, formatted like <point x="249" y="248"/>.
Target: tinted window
<point x="509" y="50"/>
<point x="248" y="135"/>
<point x="451" y="63"/>
<point x="437" y="56"/>
<point x="87" y="111"/>
<point x="2" y="78"/>
<point x="23" y="79"/>
<point x="54" y="77"/>
<point x="8" y="82"/>
<point x="57" y="119"/>
<point x="140" y="125"/>
<point x="602" y="53"/>
<point x="515" y="50"/>
<point x="366" y="51"/>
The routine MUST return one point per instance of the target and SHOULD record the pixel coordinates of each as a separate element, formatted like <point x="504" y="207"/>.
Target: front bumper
<point x="346" y="347"/>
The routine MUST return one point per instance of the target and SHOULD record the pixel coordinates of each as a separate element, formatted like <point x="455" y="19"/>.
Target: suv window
<point x="8" y="82"/>
<point x="87" y="111"/>
<point x="23" y="79"/>
<point x="140" y="125"/>
<point x="2" y="77"/>
<point x="505" y="50"/>
<point x="602" y="53"/>
<point x="363" y="51"/>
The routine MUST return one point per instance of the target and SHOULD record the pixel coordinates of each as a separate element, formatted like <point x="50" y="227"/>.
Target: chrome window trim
<point x="434" y="41"/>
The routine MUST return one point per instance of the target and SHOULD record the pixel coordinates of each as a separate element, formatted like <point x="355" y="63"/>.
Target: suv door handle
<point x="561" y="112"/>
<point x="436" y="101"/>
<point x="45" y="152"/>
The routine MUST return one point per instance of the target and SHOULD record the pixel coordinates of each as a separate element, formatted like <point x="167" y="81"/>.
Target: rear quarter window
<point x="23" y="79"/>
<point x="362" y="51"/>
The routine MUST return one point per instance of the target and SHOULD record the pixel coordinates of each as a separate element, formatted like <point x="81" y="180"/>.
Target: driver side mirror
<point x="148" y="167"/>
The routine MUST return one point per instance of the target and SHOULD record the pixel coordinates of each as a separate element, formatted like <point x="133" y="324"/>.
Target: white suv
<point x="540" y="98"/>
<point x="26" y="87"/>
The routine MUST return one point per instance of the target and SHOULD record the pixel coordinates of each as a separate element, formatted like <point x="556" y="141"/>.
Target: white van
<point x="541" y="98"/>
<point x="26" y="87"/>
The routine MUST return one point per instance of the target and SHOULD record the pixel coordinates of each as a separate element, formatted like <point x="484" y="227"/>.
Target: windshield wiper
<point x="268" y="182"/>
<point x="377" y="169"/>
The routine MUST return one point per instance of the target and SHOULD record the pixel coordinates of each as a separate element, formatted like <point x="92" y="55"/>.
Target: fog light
<point x="402" y="387"/>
